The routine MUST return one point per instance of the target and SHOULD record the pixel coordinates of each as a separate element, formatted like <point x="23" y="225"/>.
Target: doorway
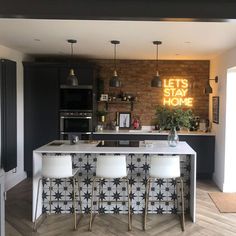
<point x="230" y="132"/>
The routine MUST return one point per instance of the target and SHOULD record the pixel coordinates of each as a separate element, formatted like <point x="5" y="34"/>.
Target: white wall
<point x="11" y="179"/>
<point x="219" y="67"/>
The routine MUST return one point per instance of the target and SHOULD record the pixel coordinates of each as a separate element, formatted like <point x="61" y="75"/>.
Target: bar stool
<point x="110" y="167"/>
<point x="58" y="167"/>
<point x="165" y="167"/>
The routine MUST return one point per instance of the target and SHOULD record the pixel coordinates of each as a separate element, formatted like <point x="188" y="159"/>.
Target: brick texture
<point x="136" y="76"/>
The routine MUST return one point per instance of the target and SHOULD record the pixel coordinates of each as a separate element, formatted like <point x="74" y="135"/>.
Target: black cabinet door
<point x="85" y="74"/>
<point x="8" y="114"/>
<point x="41" y="109"/>
<point x="205" y="149"/>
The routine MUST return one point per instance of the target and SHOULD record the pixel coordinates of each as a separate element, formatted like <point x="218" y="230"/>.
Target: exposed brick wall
<point x="136" y="76"/>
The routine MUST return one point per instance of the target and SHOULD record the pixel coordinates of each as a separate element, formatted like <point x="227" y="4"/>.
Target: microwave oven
<point x="79" y="99"/>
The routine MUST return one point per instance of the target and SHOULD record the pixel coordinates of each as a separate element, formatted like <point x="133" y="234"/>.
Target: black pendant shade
<point x="208" y="88"/>
<point x="115" y="80"/>
<point x="72" y="80"/>
<point x="156" y="81"/>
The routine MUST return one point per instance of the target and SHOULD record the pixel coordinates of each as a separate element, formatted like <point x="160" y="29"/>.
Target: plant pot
<point x="102" y="119"/>
<point x="173" y="138"/>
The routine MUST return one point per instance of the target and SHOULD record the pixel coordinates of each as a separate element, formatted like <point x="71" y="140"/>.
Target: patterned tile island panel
<point x="113" y="194"/>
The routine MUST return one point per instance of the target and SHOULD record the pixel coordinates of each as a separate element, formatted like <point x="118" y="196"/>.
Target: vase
<point x="173" y="138"/>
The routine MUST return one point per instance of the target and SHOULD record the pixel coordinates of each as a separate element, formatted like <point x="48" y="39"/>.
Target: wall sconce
<point x="208" y="88"/>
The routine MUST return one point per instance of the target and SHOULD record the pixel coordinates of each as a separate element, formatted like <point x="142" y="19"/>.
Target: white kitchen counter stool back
<point x="165" y="167"/>
<point x="58" y="167"/>
<point x="110" y="167"/>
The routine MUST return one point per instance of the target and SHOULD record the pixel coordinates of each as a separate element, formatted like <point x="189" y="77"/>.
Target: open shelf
<point x="131" y="103"/>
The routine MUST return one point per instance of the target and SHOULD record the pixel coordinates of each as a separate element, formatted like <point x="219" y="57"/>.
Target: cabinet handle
<point x="77" y="117"/>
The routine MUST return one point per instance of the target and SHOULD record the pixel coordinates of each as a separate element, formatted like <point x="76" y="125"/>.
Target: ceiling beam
<point x="182" y="10"/>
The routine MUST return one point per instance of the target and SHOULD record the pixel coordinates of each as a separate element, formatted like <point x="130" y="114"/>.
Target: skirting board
<point x="13" y="179"/>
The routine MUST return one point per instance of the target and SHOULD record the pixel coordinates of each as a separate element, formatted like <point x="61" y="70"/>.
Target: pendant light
<point x="115" y="81"/>
<point x="156" y="81"/>
<point x="72" y="80"/>
<point x="208" y="88"/>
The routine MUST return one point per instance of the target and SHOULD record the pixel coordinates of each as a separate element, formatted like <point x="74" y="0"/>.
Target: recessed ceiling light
<point x="37" y="40"/>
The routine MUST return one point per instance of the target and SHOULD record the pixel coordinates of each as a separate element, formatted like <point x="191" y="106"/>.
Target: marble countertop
<point x="150" y="147"/>
<point x="153" y="132"/>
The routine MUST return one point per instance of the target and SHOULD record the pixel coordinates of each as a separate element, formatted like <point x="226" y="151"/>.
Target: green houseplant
<point x="168" y="118"/>
<point x="173" y="119"/>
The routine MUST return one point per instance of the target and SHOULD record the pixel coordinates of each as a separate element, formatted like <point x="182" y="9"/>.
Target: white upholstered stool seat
<point x="58" y="167"/>
<point x="110" y="167"/>
<point x="164" y="167"/>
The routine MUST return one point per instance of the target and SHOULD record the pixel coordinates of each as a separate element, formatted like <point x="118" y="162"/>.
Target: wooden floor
<point x="209" y="220"/>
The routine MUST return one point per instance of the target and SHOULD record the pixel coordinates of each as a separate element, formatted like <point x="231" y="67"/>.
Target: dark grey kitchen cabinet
<point x="41" y="108"/>
<point x="8" y="114"/>
<point x="204" y="145"/>
<point x="42" y="83"/>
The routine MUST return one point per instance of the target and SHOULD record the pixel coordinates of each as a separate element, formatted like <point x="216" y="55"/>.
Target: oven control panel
<point x="75" y="114"/>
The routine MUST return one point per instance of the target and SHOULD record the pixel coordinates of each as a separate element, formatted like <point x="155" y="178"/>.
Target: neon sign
<point x="175" y="93"/>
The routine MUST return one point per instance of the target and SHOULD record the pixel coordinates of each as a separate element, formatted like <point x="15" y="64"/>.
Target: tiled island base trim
<point x="162" y="190"/>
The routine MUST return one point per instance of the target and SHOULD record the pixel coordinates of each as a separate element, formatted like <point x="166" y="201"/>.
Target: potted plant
<point x="173" y="119"/>
<point x="101" y="115"/>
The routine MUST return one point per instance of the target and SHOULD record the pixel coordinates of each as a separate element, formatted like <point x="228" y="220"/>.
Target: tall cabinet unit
<point x="8" y="144"/>
<point x="41" y="104"/>
<point x="2" y="204"/>
<point x="42" y="85"/>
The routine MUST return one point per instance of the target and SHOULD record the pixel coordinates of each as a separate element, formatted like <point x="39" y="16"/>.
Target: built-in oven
<point x="75" y="123"/>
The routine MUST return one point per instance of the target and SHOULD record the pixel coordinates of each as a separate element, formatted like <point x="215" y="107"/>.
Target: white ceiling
<point x="181" y="40"/>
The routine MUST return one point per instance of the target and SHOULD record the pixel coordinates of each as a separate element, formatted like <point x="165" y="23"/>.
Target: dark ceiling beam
<point x="191" y="10"/>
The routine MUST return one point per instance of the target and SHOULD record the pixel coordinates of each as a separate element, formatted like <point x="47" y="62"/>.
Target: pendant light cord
<point x="71" y="47"/>
<point x="115" y="57"/>
<point x="157" y="58"/>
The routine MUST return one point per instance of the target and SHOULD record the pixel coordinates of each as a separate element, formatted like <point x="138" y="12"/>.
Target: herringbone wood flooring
<point x="209" y="220"/>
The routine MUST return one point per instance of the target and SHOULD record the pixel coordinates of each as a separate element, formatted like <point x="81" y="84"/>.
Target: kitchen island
<point x="85" y="155"/>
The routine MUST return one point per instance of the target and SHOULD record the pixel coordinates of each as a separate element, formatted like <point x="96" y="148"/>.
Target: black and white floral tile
<point x="113" y="194"/>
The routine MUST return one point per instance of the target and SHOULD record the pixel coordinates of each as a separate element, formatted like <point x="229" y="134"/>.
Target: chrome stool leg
<point x="99" y="194"/>
<point x="129" y="206"/>
<point x="183" y="206"/>
<point x="79" y="202"/>
<point x="80" y="198"/>
<point x="74" y="202"/>
<point x="50" y="196"/>
<point x="91" y="211"/>
<point x="146" y="203"/>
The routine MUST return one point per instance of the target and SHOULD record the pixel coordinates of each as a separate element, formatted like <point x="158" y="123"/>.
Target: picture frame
<point x="104" y="97"/>
<point x="124" y="120"/>
<point x="215" y="109"/>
